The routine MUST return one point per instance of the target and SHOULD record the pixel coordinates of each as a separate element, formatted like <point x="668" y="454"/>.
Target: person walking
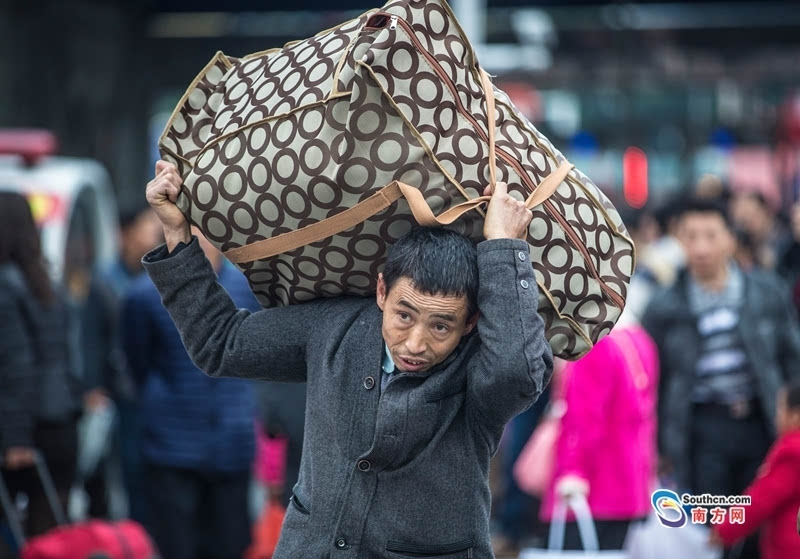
<point x="606" y="449"/>
<point x="775" y="492"/>
<point x="408" y="393"/>
<point x="40" y="398"/>
<point x="198" y="432"/>
<point x="727" y="341"/>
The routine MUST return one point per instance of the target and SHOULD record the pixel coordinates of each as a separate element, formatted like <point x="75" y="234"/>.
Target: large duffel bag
<point x="303" y="164"/>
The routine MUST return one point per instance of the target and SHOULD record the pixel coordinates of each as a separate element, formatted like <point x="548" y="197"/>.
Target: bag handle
<point x="8" y="506"/>
<point x="583" y="517"/>
<point x="376" y="203"/>
<point x="488" y="91"/>
<point x="389" y="194"/>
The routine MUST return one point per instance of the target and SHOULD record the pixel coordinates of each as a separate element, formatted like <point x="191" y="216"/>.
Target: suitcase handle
<point x="376" y="203"/>
<point x="10" y="510"/>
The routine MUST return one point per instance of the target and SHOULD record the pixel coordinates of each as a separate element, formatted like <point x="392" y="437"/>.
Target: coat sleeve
<point x="514" y="362"/>
<point x="17" y="377"/>
<point x="771" y="489"/>
<point x="224" y="341"/>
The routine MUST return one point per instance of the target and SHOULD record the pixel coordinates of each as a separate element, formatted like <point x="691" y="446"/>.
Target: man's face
<point x="421" y="330"/>
<point x="708" y="242"/>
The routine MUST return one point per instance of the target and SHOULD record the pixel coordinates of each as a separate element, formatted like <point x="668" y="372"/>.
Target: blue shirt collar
<point x="388" y="363"/>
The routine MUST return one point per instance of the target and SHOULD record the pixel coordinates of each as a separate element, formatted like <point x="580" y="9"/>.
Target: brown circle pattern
<point x="278" y="140"/>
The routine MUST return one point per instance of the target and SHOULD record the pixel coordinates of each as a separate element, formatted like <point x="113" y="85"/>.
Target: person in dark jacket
<point x="198" y="432"/>
<point x="408" y="393"/>
<point x="39" y="391"/>
<point x="789" y="266"/>
<point x="728" y="340"/>
<point x="139" y="232"/>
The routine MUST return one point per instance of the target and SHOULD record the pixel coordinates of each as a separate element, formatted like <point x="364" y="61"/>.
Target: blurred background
<point x="700" y="87"/>
<point x="655" y="101"/>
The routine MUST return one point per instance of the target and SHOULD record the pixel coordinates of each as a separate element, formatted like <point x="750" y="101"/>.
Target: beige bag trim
<point x="227" y="135"/>
<point x="572" y="180"/>
<point x="176" y="156"/>
<point x="416" y="133"/>
<point x="488" y="91"/>
<point x="260" y="53"/>
<point x="376" y="203"/>
<point x="219" y="56"/>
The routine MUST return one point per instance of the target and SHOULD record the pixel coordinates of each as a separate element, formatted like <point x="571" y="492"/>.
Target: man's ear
<point x="472" y="322"/>
<point x="381" y="294"/>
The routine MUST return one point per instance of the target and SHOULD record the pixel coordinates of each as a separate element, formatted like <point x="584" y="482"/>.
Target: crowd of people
<point x="692" y="387"/>
<point x="691" y="390"/>
<point x="182" y="444"/>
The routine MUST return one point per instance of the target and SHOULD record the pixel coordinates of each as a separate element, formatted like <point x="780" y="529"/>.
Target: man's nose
<point x="415" y="343"/>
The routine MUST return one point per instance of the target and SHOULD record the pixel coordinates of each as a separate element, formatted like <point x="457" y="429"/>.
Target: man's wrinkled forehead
<point x="447" y="307"/>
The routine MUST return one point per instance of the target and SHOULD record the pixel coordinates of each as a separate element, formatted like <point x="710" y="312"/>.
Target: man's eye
<point x="441" y="328"/>
<point x="404" y="316"/>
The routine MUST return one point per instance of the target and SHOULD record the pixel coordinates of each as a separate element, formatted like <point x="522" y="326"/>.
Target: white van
<point x="71" y="198"/>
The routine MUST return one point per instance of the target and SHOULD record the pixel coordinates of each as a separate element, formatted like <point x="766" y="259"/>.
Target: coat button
<point x="341" y="543"/>
<point x="364" y="465"/>
<point x="524" y="284"/>
<point x="521" y="256"/>
<point x="369" y="383"/>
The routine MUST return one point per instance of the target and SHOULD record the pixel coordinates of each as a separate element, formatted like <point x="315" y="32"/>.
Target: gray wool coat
<point x="392" y="474"/>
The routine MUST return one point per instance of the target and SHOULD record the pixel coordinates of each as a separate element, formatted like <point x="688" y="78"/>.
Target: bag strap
<point x="376" y="203"/>
<point x="388" y="195"/>
<point x="583" y="518"/>
<point x="488" y="91"/>
<point x="11" y="513"/>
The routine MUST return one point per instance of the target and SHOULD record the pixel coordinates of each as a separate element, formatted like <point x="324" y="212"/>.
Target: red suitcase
<point x="88" y="540"/>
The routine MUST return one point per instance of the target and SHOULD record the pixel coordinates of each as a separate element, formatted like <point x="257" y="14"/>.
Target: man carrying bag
<point x="407" y="399"/>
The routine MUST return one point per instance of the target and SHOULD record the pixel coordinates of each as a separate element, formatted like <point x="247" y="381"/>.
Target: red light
<point x="29" y="144"/>
<point x="634" y="177"/>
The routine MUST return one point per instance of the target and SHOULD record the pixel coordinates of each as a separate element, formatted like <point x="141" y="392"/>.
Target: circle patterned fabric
<point x="285" y="138"/>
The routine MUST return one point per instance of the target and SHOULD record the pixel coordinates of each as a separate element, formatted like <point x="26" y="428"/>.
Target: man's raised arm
<point x="515" y="362"/>
<point x="221" y="339"/>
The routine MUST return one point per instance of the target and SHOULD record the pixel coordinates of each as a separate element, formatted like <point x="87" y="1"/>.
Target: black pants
<point x="194" y="515"/>
<point x="726" y="454"/>
<point x="58" y="443"/>
<point x="611" y="534"/>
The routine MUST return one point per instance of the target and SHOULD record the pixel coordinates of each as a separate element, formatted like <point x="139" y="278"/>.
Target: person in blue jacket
<point x="198" y="432"/>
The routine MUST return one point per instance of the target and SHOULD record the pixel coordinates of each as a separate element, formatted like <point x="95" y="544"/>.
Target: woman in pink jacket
<point x="606" y="449"/>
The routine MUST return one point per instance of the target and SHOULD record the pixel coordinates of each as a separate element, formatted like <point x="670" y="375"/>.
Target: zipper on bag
<point x="502" y="154"/>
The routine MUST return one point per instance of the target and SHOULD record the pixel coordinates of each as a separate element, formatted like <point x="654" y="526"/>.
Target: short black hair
<point x="706" y="206"/>
<point x="437" y="261"/>
<point x="792" y="389"/>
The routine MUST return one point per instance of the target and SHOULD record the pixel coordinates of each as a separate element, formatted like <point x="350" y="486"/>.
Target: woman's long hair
<point x="19" y="244"/>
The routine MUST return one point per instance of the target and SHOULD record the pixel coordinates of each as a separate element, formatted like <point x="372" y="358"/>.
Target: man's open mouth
<point x="409" y="364"/>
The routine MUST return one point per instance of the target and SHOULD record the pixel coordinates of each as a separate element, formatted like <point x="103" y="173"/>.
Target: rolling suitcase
<point x="89" y="540"/>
